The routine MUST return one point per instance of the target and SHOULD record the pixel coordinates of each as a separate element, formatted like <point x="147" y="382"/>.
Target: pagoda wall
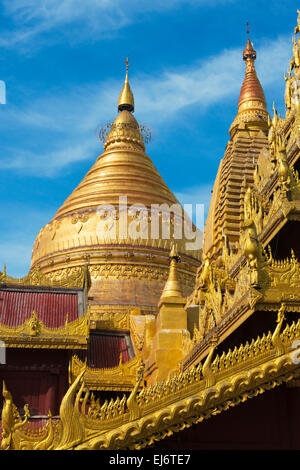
<point x="267" y="422"/>
<point x="38" y="378"/>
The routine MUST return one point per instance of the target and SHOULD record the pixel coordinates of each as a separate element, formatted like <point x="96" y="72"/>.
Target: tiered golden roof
<point x="248" y="137"/>
<point x="251" y="253"/>
<point x="154" y="413"/>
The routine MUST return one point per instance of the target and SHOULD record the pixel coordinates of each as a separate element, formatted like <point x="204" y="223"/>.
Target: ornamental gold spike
<point x="126" y="100"/>
<point x="172" y="287"/>
<point x="252" y="106"/>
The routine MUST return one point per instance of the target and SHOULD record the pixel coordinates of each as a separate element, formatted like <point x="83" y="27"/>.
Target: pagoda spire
<point x="252" y="106"/>
<point x="126" y="100"/>
<point x="251" y="87"/>
<point x="172" y="287"/>
<point x="248" y="134"/>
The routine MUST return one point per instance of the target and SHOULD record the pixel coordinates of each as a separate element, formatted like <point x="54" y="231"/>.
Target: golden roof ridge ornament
<point x="126" y="99"/>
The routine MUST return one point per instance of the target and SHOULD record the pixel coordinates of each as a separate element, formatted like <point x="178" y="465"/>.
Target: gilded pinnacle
<point x="172" y="287"/>
<point x="126" y="100"/>
<point x="252" y="106"/>
<point x="249" y="52"/>
<point x="251" y="88"/>
<point x="174" y="252"/>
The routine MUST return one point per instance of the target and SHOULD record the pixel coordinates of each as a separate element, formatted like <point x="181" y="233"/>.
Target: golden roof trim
<point x="119" y="378"/>
<point x="34" y="334"/>
<point x="68" y="278"/>
<point x="202" y="391"/>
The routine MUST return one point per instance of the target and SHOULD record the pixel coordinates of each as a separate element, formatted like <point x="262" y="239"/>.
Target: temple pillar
<point x="171" y="326"/>
<point x="170" y="336"/>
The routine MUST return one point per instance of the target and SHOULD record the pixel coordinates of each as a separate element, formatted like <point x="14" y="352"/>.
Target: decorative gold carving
<point x="207" y="370"/>
<point x="154" y="412"/>
<point x="103" y="317"/>
<point x="276" y="338"/>
<point x="107" y="410"/>
<point x="132" y="402"/>
<point x="288" y="91"/>
<point x="120" y="378"/>
<point x="72" y="431"/>
<point x="138" y="328"/>
<point x="68" y="277"/>
<point x="11" y="420"/>
<point x="263" y="171"/>
<point x="33" y="333"/>
<point x="128" y="271"/>
<point x="79" y="219"/>
<point x="249" y="240"/>
<point x="53" y="227"/>
<point x="281" y="273"/>
<point x="34" y="325"/>
<point x="258" y="278"/>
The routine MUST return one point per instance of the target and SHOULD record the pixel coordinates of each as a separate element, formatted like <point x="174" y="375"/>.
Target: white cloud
<point x="273" y="58"/>
<point x="71" y="117"/>
<point x="33" y="18"/>
<point x="213" y="80"/>
<point x="48" y="163"/>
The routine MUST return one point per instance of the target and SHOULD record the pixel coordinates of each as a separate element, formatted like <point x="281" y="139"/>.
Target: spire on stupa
<point x="251" y="87"/>
<point x="126" y="99"/>
<point x="172" y="287"/>
<point x="125" y="128"/>
<point x="252" y="105"/>
<point x="248" y="134"/>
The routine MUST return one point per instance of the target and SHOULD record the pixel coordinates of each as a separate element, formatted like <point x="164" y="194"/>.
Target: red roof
<point x="51" y="305"/>
<point x="105" y="350"/>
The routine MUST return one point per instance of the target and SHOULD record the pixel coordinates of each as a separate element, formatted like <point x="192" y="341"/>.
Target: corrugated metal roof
<point x="105" y="350"/>
<point x="17" y="305"/>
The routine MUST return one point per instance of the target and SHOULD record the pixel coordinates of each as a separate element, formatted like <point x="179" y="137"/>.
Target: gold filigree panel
<point x="65" y="278"/>
<point x="34" y="334"/>
<point x="120" y="378"/>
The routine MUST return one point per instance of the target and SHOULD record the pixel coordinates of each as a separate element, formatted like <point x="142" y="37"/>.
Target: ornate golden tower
<point x="124" y="270"/>
<point x="248" y="135"/>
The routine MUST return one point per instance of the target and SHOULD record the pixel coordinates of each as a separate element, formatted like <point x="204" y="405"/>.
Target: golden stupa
<point x="190" y="368"/>
<point x="124" y="271"/>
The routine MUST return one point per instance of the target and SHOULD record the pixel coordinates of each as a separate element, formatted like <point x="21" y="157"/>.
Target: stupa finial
<point x="126" y="100"/>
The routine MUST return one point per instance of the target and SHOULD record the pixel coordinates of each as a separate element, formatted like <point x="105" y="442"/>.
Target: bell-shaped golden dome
<point x="125" y="270"/>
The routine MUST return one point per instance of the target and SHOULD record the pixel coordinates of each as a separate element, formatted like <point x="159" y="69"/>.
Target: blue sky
<point x="63" y="65"/>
